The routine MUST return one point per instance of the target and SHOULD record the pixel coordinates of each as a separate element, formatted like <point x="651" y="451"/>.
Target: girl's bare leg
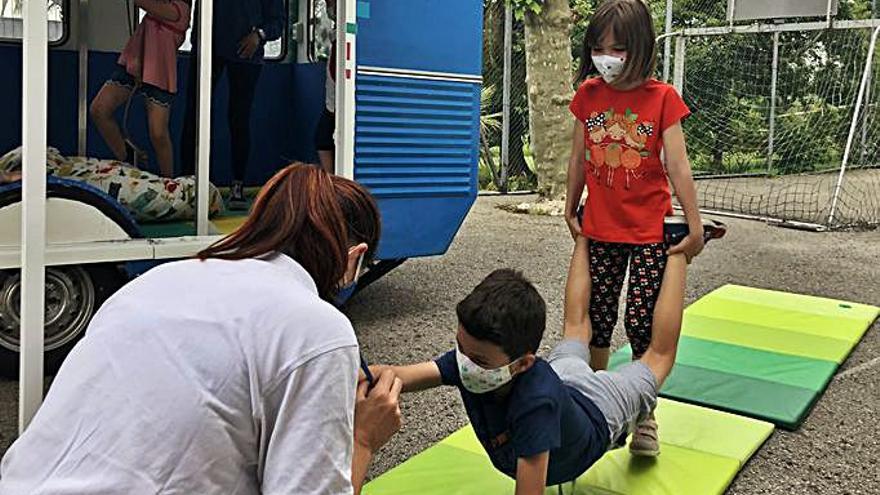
<point x="158" y="117"/>
<point x="109" y="98"/>
<point x="576" y="324"/>
<point x="599" y="357"/>
<point x="328" y="160"/>
<point x="666" y="326"/>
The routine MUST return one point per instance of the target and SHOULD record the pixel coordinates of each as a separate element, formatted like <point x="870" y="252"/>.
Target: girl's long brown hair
<point x="311" y="216"/>
<point x="631" y="24"/>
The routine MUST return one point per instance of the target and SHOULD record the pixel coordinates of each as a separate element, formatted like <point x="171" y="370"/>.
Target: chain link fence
<point x="505" y="160"/>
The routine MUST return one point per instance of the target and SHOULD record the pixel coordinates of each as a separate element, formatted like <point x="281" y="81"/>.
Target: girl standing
<point x="148" y="66"/>
<point x="625" y="120"/>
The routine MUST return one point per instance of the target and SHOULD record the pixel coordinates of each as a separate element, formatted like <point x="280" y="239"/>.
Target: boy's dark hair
<point x="505" y="309"/>
<point x="632" y="26"/>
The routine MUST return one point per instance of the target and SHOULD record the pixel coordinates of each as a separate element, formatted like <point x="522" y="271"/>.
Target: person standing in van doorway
<point x="325" y="133"/>
<point x="241" y="30"/>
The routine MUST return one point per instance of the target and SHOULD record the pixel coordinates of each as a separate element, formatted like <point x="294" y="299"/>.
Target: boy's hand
<point x="377" y="369"/>
<point x="377" y="412"/>
<point x="690" y="246"/>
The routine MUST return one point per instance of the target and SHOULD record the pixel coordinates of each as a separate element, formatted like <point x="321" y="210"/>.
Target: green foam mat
<point x="223" y="224"/>
<point x="161" y="230"/>
<point x="782" y="404"/>
<point x="761" y="353"/>
<point x="702" y="450"/>
<point x="795" y="324"/>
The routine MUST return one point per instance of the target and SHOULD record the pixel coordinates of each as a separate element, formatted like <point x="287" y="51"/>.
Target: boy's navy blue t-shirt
<point x="539" y="414"/>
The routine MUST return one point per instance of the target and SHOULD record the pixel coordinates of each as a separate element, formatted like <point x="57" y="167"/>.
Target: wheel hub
<point x="70" y="302"/>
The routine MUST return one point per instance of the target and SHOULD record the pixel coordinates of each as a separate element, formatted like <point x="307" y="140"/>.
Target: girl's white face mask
<point x="479" y="380"/>
<point x="610" y="67"/>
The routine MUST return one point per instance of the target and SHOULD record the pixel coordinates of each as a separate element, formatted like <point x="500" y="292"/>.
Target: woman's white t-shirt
<point x="214" y="377"/>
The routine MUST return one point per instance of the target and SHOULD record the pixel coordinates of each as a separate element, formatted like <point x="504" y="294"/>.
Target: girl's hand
<point x="249" y="45"/>
<point x="574" y="225"/>
<point x="690" y="246"/>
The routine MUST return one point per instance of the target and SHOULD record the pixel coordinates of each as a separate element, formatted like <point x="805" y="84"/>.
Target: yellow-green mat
<point x="761" y="353"/>
<point x="702" y="450"/>
<point x="225" y="224"/>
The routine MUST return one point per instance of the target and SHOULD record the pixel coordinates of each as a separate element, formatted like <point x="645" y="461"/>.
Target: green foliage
<point x="520" y="7"/>
<point x="728" y="89"/>
<point x="518" y="182"/>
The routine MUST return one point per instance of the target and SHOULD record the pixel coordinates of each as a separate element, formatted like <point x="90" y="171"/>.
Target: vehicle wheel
<point x="73" y="295"/>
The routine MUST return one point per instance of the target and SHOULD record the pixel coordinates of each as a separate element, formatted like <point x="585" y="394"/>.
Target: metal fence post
<point x="505" y="106"/>
<point x="667" y="46"/>
<point x="855" y="122"/>
<point x="773" y="90"/>
<point x="680" y="54"/>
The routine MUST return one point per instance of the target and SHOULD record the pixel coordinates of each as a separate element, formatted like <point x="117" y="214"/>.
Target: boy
<point x="546" y="422"/>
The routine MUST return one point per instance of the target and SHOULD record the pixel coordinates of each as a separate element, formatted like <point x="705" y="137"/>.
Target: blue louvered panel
<point x="416" y="137"/>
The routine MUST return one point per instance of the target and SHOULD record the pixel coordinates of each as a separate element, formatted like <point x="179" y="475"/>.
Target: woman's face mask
<point x="479" y="380"/>
<point x="609" y="66"/>
<point x="346" y="290"/>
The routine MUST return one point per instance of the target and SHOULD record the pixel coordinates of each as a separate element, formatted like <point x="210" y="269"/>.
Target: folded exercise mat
<point x="761" y="353"/>
<point x="701" y="452"/>
<point x="220" y="225"/>
<point x="229" y="224"/>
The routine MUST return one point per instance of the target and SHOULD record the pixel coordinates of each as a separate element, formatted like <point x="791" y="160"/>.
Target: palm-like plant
<point x="489" y="123"/>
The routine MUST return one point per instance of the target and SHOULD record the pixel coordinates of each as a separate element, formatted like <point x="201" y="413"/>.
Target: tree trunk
<point x="548" y="66"/>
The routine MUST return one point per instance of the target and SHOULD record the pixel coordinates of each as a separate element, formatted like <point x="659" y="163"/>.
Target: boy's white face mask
<point x="479" y="380"/>
<point x="610" y="67"/>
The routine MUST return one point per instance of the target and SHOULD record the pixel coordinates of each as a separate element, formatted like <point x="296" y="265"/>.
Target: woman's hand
<point x="377" y="411"/>
<point x="690" y="246"/>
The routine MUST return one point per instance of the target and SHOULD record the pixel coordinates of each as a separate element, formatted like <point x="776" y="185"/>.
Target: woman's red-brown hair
<point x="311" y="216"/>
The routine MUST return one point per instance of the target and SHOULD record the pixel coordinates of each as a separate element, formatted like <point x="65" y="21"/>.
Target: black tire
<point x="104" y="280"/>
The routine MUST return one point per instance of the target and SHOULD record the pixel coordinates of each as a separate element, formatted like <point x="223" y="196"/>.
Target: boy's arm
<point x="166" y="11"/>
<point x="415" y="377"/>
<point x="576" y="324"/>
<point x="531" y="474"/>
<point x="679" y="168"/>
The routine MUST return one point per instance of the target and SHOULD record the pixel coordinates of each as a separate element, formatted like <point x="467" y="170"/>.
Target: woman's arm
<point x="575" y="179"/>
<point x="679" y="169"/>
<point x="164" y="10"/>
<point x="376" y="420"/>
<point x="316" y="400"/>
<point x="415" y="377"/>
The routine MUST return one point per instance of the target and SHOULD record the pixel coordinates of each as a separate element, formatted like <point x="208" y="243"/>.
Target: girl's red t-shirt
<point x="627" y="187"/>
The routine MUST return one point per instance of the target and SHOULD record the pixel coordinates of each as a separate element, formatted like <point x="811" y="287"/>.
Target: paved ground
<point x="409" y="316"/>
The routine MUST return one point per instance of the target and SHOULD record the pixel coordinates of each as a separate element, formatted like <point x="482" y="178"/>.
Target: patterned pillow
<point x="150" y="198"/>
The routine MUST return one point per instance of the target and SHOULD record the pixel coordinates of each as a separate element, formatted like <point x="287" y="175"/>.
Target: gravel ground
<point x="409" y="316"/>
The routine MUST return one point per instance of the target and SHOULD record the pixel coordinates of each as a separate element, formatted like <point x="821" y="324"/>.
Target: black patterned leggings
<point x="608" y="264"/>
